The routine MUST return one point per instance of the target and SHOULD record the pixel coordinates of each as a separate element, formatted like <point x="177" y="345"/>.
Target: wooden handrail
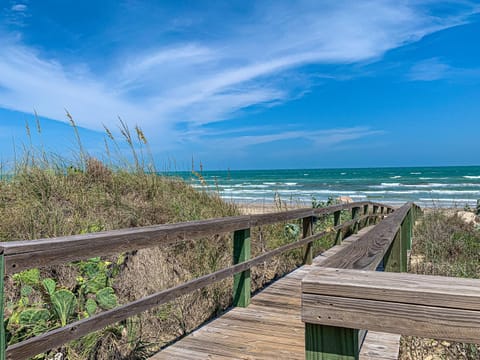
<point x="370" y="249"/>
<point x="409" y="304"/>
<point x="387" y="242"/>
<point x="15" y="253"/>
<point x="22" y="255"/>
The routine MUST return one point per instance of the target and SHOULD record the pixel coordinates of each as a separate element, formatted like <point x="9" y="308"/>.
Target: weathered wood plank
<point x="380" y="346"/>
<point x="307" y="230"/>
<point x="77" y="329"/>
<point x="21" y="255"/>
<point x="270" y="328"/>
<point x="399" y="318"/>
<point x="393" y="257"/>
<point x="368" y="251"/>
<point x="429" y="290"/>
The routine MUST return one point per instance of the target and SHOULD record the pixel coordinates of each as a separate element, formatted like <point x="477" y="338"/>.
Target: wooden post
<point x="404" y="244"/>
<point x="411" y="222"/>
<point x="355" y="212"/>
<point x="241" y="281"/>
<point x="375" y="211"/>
<point x="336" y="221"/>
<point x="382" y="210"/>
<point x="365" y="212"/>
<point x="307" y="226"/>
<point x="3" y="344"/>
<point x="324" y="342"/>
<point x="393" y="257"/>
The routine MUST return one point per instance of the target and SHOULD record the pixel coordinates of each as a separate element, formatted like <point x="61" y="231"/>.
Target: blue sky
<point x="240" y="85"/>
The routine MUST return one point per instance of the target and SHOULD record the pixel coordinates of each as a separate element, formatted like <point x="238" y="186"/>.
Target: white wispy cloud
<point x="435" y="69"/>
<point x="197" y="81"/>
<point x="429" y="70"/>
<point x="320" y="138"/>
<point x="19" y="7"/>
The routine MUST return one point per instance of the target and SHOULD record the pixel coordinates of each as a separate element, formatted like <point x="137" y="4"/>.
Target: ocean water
<point x="427" y="186"/>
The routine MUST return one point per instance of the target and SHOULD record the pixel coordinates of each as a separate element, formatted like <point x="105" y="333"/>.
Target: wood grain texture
<point x="77" y="329"/>
<point x="368" y="252"/>
<point x="21" y="255"/>
<point x="447" y="292"/>
<point x="307" y="230"/>
<point x="380" y="346"/>
<point x="386" y="316"/>
<point x="270" y="328"/>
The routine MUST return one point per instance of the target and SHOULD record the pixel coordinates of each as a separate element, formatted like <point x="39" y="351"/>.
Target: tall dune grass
<point x="46" y="195"/>
<point x="443" y="245"/>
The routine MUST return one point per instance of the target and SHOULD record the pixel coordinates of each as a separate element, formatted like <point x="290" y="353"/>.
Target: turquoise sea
<point x="428" y="186"/>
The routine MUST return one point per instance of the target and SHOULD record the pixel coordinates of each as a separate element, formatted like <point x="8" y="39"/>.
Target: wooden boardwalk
<point x="270" y="327"/>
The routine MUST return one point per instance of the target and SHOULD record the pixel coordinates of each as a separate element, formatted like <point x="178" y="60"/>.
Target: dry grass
<point x="45" y="201"/>
<point x="444" y="245"/>
<point x="46" y="196"/>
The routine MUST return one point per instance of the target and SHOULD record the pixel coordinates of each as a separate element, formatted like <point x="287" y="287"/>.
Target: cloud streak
<point x="200" y="81"/>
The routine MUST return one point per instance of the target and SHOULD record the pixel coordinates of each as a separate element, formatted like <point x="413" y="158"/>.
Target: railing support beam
<point x="241" y="281"/>
<point x="336" y="221"/>
<point x="307" y="227"/>
<point x="355" y="213"/>
<point x="374" y="211"/>
<point x="365" y="212"/>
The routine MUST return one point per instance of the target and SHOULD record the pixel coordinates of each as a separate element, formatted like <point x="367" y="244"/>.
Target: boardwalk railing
<point x="17" y="256"/>
<point x="339" y="298"/>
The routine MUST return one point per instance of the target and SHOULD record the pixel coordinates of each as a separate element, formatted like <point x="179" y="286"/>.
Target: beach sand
<point x="266" y="207"/>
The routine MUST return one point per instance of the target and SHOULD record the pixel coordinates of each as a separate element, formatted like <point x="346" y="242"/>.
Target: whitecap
<point x="471" y="177"/>
<point x="395" y="177"/>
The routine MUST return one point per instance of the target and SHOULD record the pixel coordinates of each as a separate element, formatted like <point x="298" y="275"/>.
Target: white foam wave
<point x="471" y="177"/>
<point x="415" y="173"/>
<point x="456" y="192"/>
<point x="421" y="186"/>
<point x="395" y="177"/>
<point x="453" y="201"/>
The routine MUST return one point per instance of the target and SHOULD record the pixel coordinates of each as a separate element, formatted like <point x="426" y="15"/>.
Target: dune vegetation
<point x="444" y="244"/>
<point x="44" y="195"/>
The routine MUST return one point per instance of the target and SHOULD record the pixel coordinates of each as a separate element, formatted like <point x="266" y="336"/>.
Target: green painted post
<point x="393" y="257"/>
<point x="307" y="226"/>
<point x="241" y="281"/>
<point x="3" y="344"/>
<point x="411" y="222"/>
<point x="355" y="212"/>
<point x="324" y="342"/>
<point x="404" y="245"/>
<point x="365" y="212"/>
<point x="336" y="221"/>
<point x="375" y="211"/>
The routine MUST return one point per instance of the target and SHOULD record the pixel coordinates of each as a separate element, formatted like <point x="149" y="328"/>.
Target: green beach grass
<point x="444" y="244"/>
